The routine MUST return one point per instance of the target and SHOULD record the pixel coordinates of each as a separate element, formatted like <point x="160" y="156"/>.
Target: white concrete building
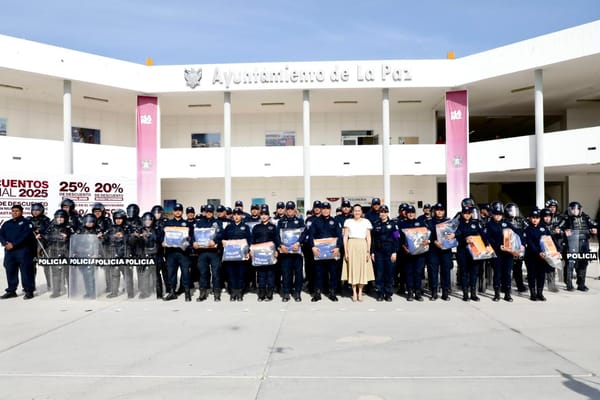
<point x="353" y="128"/>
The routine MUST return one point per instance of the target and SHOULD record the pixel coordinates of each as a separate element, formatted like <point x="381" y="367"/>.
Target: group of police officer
<point x="299" y="264"/>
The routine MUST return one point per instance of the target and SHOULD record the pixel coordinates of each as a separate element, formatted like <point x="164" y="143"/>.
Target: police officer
<point x="264" y="232"/>
<point x="209" y="262"/>
<point x="503" y="262"/>
<point x="534" y="257"/>
<point x="279" y="212"/>
<point x="119" y="241"/>
<point x="577" y="228"/>
<point x="150" y="238"/>
<point x="89" y="227"/>
<point x="39" y="222"/>
<point x="161" y="265"/>
<point x="400" y="273"/>
<point x="323" y="227"/>
<point x="439" y="260"/>
<point x="426" y="216"/>
<point x="236" y="270"/>
<point x="384" y="249"/>
<point x="240" y="204"/>
<point x="309" y="261"/>
<point x="373" y="214"/>
<point x="414" y="264"/>
<point x="485" y="210"/>
<point x="190" y="213"/>
<point x="69" y="206"/>
<point x="511" y="213"/>
<point x="557" y="237"/>
<point x="178" y="258"/>
<point x="16" y="235"/>
<point x="104" y="224"/>
<point x="290" y="258"/>
<point x="133" y="216"/>
<point x="56" y="237"/>
<point x="254" y="214"/>
<point x="469" y="267"/>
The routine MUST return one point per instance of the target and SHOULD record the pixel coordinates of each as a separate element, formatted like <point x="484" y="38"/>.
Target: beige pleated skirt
<point x="357" y="270"/>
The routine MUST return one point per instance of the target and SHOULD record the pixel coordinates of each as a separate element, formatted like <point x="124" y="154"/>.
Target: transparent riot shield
<point x="574" y="237"/>
<point x="86" y="280"/>
<point x="57" y="258"/>
<point x="121" y="267"/>
<point x="146" y="277"/>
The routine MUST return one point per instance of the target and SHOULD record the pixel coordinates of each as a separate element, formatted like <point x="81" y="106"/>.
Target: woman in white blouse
<point x="358" y="269"/>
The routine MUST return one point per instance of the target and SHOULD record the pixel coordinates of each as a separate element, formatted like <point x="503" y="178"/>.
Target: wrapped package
<point x="204" y="235"/>
<point x="235" y="250"/>
<point x="177" y="236"/>
<point x="551" y="254"/>
<point x="326" y="247"/>
<point x="478" y="249"/>
<point x="416" y="239"/>
<point x="512" y="242"/>
<point x="289" y="237"/>
<point x="444" y="229"/>
<point x="263" y="254"/>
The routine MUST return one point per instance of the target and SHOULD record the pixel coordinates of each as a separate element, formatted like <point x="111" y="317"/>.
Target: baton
<point x="42" y="247"/>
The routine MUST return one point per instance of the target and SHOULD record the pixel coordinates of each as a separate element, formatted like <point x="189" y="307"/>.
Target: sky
<point x="179" y="32"/>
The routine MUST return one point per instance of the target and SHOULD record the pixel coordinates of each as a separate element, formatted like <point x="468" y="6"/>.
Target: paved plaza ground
<point x="148" y="349"/>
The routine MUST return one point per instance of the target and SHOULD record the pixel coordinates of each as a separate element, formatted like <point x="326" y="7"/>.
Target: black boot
<point x="418" y="295"/>
<point x="507" y="296"/>
<point x="171" y="296"/>
<point x="532" y="295"/>
<point x="188" y="295"/>
<point x="434" y="293"/>
<point x="540" y="295"/>
<point x="474" y="294"/>
<point x="332" y="296"/>
<point x="261" y="295"/>
<point x="159" y="290"/>
<point x="316" y="296"/>
<point x="297" y="297"/>
<point x="465" y="294"/>
<point x="445" y="295"/>
<point x="240" y="295"/>
<point x="269" y="295"/>
<point x="496" y="294"/>
<point x="409" y="295"/>
<point x="217" y="294"/>
<point x="202" y="295"/>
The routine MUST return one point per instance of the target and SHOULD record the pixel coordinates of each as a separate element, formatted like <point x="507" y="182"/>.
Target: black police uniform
<point x="56" y="239"/>
<point x="291" y="263"/>
<point x="209" y="261"/>
<point x="469" y="266"/>
<point x="261" y="233"/>
<point x="178" y="258"/>
<point x="88" y="272"/>
<point x="19" y="233"/>
<point x="120" y="243"/>
<point x="536" y="265"/>
<point x="161" y="266"/>
<point x="385" y="242"/>
<point x="150" y="238"/>
<point x="502" y="264"/>
<point x="519" y="224"/>
<point x="322" y="228"/>
<point x="39" y="225"/>
<point x="236" y="270"/>
<point x="414" y="264"/>
<point x="439" y="262"/>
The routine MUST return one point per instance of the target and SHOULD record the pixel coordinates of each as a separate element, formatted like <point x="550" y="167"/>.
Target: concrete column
<point x="539" y="139"/>
<point x="67" y="128"/>
<point x="227" y="146"/>
<point x="385" y="111"/>
<point x="306" y="148"/>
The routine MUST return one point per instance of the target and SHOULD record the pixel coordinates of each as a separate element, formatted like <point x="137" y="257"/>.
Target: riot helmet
<point x="148" y="219"/>
<point x="512" y="210"/>
<point x="467" y="202"/>
<point x="89" y="219"/>
<point x="68" y="203"/>
<point x="551" y="203"/>
<point x="98" y="207"/>
<point x="133" y="211"/>
<point x="119" y="214"/>
<point x="574" y="209"/>
<point x="497" y="207"/>
<point x="37" y="207"/>
<point x="61" y="214"/>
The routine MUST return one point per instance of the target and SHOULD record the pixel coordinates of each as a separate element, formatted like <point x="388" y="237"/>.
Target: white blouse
<point x="357" y="229"/>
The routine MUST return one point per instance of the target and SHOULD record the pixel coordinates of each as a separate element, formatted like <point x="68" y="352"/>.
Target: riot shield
<point x="146" y="277"/>
<point x="86" y="281"/>
<point x="119" y="260"/>
<point x="573" y="249"/>
<point x="56" y="255"/>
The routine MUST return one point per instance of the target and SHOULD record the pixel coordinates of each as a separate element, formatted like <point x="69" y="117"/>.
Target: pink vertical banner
<point x="147" y="149"/>
<point x="457" y="140"/>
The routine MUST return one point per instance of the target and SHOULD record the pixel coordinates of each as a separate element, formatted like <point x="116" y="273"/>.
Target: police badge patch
<point x="193" y="77"/>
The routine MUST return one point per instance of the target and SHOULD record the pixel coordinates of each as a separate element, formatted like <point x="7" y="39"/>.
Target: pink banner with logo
<point x="147" y="149"/>
<point x="457" y="140"/>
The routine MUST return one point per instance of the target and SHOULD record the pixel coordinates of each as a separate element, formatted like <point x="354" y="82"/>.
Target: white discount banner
<point x="113" y="193"/>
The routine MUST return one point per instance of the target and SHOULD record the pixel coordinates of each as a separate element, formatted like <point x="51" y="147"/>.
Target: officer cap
<point x="466" y="210"/>
<point x="190" y="210"/>
<point x="229" y="211"/>
<point x="239" y="203"/>
<point x="178" y="207"/>
<point x="238" y="211"/>
<point x="17" y="206"/>
<point x="290" y="205"/>
<point x="255" y="207"/>
<point x="346" y="203"/>
<point x="264" y="210"/>
<point x="317" y="204"/>
<point x="410" y="209"/>
<point x="209" y="208"/>
<point x="426" y="206"/>
<point x="384" y="208"/>
<point x="375" y="201"/>
<point x="485" y="207"/>
<point x="338" y="209"/>
<point x="438" y="206"/>
<point x="535" y="213"/>
<point x="280" y="204"/>
<point x="546" y="212"/>
<point x="402" y="207"/>
<point x="221" y="208"/>
<point x="326" y="204"/>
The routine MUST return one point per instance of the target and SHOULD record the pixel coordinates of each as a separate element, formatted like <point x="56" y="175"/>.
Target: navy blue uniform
<point x="536" y="265"/>
<point x="439" y="261"/>
<point x="291" y="263"/>
<point x="469" y="267"/>
<point x="261" y="233"/>
<point x="236" y="269"/>
<point x="385" y="242"/>
<point x="178" y="258"/>
<point x="322" y="228"/>
<point x="413" y="264"/>
<point x="503" y="262"/>
<point x="209" y="261"/>
<point x="20" y="259"/>
<point x="519" y="224"/>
